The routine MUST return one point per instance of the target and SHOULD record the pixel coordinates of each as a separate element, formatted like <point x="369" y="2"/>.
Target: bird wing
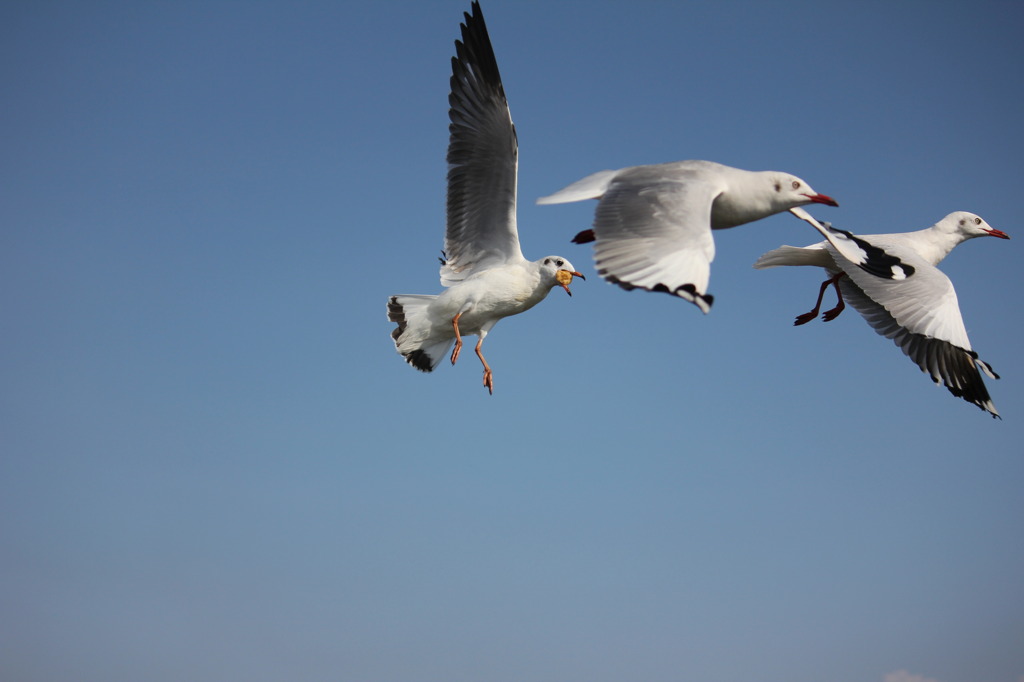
<point x="862" y="253"/>
<point x="482" y="161"/>
<point x="652" y="230"/>
<point x="921" y="315"/>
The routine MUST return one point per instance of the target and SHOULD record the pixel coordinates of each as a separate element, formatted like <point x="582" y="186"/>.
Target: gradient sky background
<point x="216" y="467"/>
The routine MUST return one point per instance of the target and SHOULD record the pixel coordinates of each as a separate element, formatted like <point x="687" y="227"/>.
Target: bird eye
<point x="559" y="263"/>
<point x="796" y="184"/>
<point x="977" y="221"/>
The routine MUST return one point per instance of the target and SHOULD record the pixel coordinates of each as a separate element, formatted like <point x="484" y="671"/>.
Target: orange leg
<point x="830" y="314"/>
<point x="488" y="380"/>
<point x="458" y="338"/>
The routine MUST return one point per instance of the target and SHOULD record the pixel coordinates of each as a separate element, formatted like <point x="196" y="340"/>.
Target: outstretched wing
<point x="862" y="253"/>
<point x="921" y="315"/>
<point x="482" y="160"/>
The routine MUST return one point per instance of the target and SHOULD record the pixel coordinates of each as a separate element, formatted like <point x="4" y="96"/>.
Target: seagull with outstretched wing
<point x="920" y="313"/>
<point x="483" y="268"/>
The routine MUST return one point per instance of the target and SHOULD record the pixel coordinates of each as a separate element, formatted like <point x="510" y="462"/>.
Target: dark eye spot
<point x="778" y="186"/>
<point x="547" y="261"/>
<point x="796" y="184"/>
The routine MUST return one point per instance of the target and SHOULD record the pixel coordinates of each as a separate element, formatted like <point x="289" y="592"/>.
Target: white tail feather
<point x="414" y="337"/>
<point x="590" y="187"/>
<point x="790" y="255"/>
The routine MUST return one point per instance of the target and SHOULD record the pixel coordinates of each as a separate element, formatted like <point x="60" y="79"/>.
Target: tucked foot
<point x="488" y="381"/>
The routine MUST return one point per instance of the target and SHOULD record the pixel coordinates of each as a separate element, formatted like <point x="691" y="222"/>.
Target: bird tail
<point x="788" y="255"/>
<point x="590" y="187"/>
<point x="413" y="335"/>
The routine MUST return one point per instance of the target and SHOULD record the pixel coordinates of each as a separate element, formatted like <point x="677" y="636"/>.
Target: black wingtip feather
<point x="953" y="367"/>
<point x="475" y="51"/>
<point x="687" y="292"/>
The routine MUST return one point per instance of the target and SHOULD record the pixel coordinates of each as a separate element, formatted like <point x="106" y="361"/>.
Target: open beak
<point x="998" y="233"/>
<point x="564" y="277"/>
<point x="822" y="199"/>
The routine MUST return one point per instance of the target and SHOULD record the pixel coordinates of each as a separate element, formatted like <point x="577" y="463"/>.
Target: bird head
<point x="792" y="191"/>
<point x="974" y="226"/>
<point x="562" y="271"/>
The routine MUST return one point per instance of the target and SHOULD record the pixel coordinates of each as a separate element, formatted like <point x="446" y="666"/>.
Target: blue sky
<point x="216" y="467"/>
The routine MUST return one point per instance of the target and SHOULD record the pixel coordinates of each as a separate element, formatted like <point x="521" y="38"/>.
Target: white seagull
<point x="919" y="313"/>
<point x="483" y="267"/>
<point x="652" y="226"/>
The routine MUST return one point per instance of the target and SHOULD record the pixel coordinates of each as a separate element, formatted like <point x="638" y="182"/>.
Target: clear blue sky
<point x="216" y="467"/>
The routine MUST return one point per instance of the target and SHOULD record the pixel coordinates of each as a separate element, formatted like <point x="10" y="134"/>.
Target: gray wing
<point x="922" y="316"/>
<point x="482" y="161"/>
<point x="652" y="230"/>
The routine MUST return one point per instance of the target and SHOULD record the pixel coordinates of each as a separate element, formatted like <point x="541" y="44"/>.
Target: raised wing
<point x="482" y="161"/>
<point x="654" y="232"/>
<point x="865" y="255"/>
<point x="921" y="315"/>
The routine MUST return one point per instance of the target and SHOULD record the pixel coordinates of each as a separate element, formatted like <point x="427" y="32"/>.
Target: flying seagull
<point x="652" y="226"/>
<point x="483" y="268"/>
<point x="920" y="313"/>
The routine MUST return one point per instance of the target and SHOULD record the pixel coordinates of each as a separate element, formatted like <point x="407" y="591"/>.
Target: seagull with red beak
<point x="919" y="312"/>
<point x="652" y="226"/>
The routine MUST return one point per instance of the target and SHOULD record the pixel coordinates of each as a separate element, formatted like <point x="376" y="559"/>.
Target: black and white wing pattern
<point x="482" y="161"/>
<point x="857" y="250"/>
<point x="921" y="315"/>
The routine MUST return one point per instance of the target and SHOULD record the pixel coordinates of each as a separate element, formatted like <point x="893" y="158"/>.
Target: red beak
<point x="998" y="233"/>
<point x="822" y="199"/>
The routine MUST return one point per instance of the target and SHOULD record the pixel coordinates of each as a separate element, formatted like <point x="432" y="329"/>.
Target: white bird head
<point x="560" y="271"/>
<point x="791" y="191"/>
<point x="969" y="225"/>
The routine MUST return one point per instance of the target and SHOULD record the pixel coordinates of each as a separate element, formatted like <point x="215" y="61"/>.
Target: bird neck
<point x="730" y="209"/>
<point x="934" y="244"/>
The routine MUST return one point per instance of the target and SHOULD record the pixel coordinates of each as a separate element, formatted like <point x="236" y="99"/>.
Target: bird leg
<point x="830" y="314"/>
<point x="488" y="381"/>
<point x="458" y="338"/>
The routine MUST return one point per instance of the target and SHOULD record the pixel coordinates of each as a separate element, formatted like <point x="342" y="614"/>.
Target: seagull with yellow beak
<point x="486" y="275"/>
